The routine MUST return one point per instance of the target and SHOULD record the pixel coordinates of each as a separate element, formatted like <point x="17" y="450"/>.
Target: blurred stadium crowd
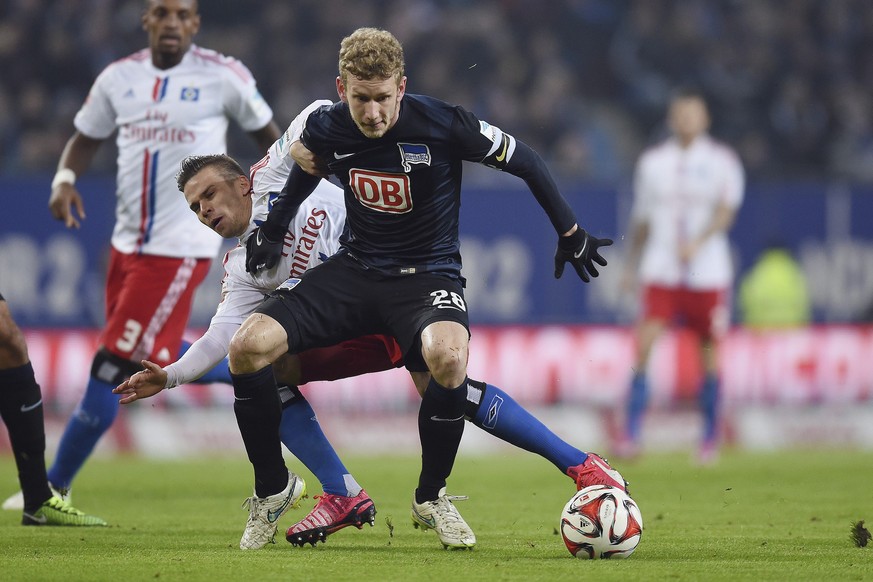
<point x="583" y="81"/>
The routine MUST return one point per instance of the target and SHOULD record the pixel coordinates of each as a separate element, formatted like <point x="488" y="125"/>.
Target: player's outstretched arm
<point x="143" y="384"/>
<point x="575" y="245"/>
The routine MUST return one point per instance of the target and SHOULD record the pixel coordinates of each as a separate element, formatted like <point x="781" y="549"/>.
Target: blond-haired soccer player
<point x="398" y="157"/>
<point x="235" y="205"/>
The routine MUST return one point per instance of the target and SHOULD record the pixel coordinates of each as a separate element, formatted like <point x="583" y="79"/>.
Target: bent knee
<point x="259" y="342"/>
<point x="448" y="365"/>
<point x="243" y="345"/>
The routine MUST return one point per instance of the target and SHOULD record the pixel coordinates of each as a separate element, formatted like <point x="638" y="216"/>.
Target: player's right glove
<point x="580" y="250"/>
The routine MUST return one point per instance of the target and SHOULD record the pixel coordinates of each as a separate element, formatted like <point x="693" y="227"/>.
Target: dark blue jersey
<point x="403" y="190"/>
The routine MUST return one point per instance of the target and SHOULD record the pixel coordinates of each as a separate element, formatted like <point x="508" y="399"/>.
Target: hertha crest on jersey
<point x="381" y="191"/>
<point x="413" y="153"/>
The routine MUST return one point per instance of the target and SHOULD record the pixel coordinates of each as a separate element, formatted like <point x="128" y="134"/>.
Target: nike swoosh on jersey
<point x="340" y="156"/>
<point x="25" y="408"/>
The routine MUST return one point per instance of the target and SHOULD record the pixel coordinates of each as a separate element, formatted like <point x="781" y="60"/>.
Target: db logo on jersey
<point x="382" y="192"/>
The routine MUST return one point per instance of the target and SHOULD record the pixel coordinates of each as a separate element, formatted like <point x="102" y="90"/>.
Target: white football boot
<point x="442" y="517"/>
<point x="264" y="513"/>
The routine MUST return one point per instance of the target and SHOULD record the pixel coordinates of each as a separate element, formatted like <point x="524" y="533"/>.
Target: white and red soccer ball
<point x="601" y="522"/>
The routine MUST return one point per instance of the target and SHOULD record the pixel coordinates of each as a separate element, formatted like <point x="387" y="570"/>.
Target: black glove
<point x="580" y="250"/>
<point x="262" y="252"/>
<point x="264" y="246"/>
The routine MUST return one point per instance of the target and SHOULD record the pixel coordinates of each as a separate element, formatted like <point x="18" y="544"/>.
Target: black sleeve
<point x="298" y="187"/>
<point x="489" y="145"/>
<point x="530" y="167"/>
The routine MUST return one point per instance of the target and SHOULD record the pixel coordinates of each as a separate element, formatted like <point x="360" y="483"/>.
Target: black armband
<point x="500" y="157"/>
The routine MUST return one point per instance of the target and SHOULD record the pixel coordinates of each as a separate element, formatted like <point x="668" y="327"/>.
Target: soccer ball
<point x="601" y="522"/>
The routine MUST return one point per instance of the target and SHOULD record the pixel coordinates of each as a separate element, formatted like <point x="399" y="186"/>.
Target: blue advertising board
<point x="53" y="277"/>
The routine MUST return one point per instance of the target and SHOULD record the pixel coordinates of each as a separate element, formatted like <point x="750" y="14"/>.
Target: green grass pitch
<point x="781" y="516"/>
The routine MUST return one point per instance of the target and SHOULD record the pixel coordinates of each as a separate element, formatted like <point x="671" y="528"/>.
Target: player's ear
<point x="341" y="90"/>
<point x="401" y="88"/>
<point x="245" y="186"/>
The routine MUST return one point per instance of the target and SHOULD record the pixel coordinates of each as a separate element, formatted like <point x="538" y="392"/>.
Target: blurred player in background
<point x="399" y="158"/>
<point x="167" y="101"/>
<point x="687" y="190"/>
<point x="22" y="412"/>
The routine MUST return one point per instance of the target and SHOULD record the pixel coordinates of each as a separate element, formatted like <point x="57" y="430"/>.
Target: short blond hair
<point x="371" y="53"/>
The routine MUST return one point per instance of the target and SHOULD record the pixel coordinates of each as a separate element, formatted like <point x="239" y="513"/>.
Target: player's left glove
<point x="264" y="245"/>
<point x="262" y="252"/>
<point x="580" y="250"/>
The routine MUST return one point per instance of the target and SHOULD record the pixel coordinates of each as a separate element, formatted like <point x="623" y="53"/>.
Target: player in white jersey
<point x="312" y="236"/>
<point x="234" y="205"/>
<point x="165" y="102"/>
<point x="687" y="190"/>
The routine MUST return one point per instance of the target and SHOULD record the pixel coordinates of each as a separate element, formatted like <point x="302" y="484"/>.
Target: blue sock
<point x="506" y="419"/>
<point x="302" y="435"/>
<point x="220" y="373"/>
<point x="638" y="399"/>
<point x="91" y="419"/>
<point x="709" y="407"/>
